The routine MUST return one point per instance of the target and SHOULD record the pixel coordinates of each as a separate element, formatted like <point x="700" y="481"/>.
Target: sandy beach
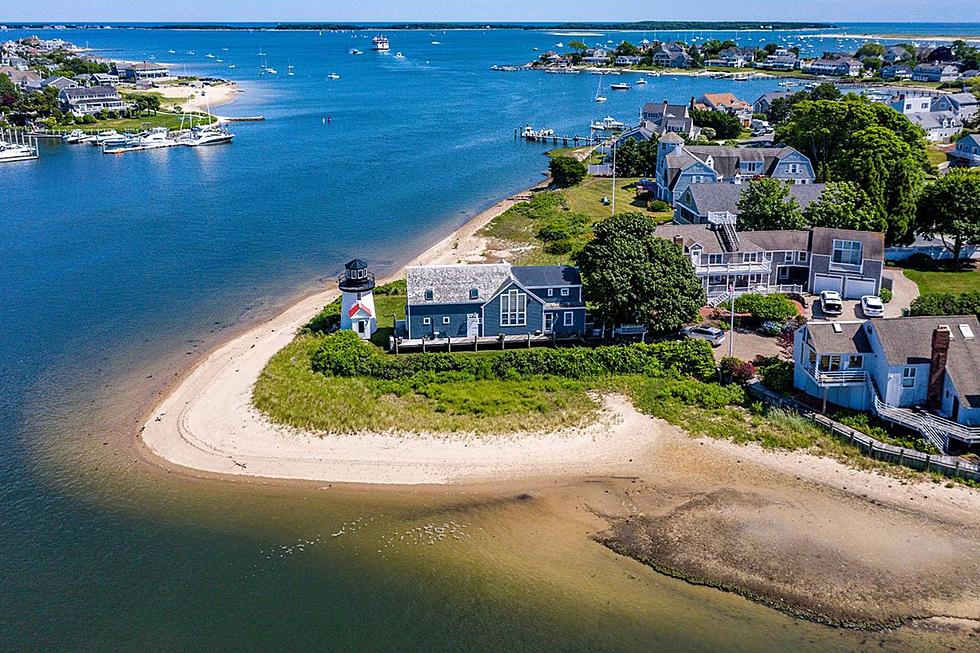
<point x="195" y="96"/>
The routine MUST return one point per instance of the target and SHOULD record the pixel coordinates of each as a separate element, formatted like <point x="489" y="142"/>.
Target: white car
<point x="871" y="306"/>
<point x="831" y="303"/>
<point x="712" y="334"/>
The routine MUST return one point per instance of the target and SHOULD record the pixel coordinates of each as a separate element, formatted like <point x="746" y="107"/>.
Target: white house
<point x="891" y="366"/>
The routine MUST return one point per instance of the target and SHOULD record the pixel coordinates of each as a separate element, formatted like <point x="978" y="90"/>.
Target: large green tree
<point x="888" y="170"/>
<point x="725" y="124"/>
<point x="632" y="276"/>
<point x="844" y="205"/>
<point x="950" y="209"/>
<point x="567" y="171"/>
<point x="767" y="204"/>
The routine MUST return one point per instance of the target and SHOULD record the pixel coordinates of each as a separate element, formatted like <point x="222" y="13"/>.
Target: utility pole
<point x="614" y="178"/>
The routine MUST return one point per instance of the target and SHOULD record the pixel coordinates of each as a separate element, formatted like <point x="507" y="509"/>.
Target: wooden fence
<point x="948" y="465"/>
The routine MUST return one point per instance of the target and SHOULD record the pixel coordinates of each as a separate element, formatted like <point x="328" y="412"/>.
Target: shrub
<point x="567" y="171"/>
<point x="559" y="247"/>
<point x="343" y="354"/>
<point x="766" y="307"/>
<point x="945" y="303"/>
<point x="886" y="295"/>
<point x="770" y="328"/>
<point x="776" y="374"/>
<point x="737" y="370"/>
<point x="397" y="287"/>
<point x="920" y="261"/>
<point x="658" y="206"/>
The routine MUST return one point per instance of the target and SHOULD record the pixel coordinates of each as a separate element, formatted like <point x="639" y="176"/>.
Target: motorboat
<point x="436" y="43"/>
<point x="601" y="98"/>
<point x="171" y="51"/>
<point x="355" y="51"/>
<point x="333" y="76"/>
<point x="231" y="65"/>
<point x="380" y="43"/>
<point x="77" y="136"/>
<point x="206" y="135"/>
<point x="272" y="71"/>
<point x="620" y="86"/>
<point x="104" y="136"/>
<point x="10" y="152"/>
<point x="289" y="70"/>
<point x="209" y="55"/>
<point x="399" y="55"/>
<point x="641" y="82"/>
<point x="608" y="124"/>
<point x="154" y="138"/>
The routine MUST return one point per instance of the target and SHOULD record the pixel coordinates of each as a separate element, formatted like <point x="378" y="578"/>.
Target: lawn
<point x="159" y="119"/>
<point x="936" y="154"/>
<point x="936" y="281"/>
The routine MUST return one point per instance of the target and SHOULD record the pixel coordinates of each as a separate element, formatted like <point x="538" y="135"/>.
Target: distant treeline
<point x="649" y="25"/>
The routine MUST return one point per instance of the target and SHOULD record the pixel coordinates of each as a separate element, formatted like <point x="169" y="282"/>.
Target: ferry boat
<point x="380" y="43"/>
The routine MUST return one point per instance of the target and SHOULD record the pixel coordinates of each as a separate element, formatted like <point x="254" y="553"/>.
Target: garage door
<point x="857" y="288"/>
<point x="823" y="282"/>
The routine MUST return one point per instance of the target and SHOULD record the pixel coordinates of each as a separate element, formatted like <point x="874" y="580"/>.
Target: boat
<point x="191" y="52"/>
<point x="608" y="124"/>
<point x="333" y="76"/>
<point x="380" y="43"/>
<point x="399" y="55"/>
<point x="171" y="51"/>
<point x="77" y="136"/>
<point x="559" y="44"/>
<point x="272" y="71"/>
<point x="289" y="70"/>
<point x="231" y="65"/>
<point x="436" y="43"/>
<point x="10" y="152"/>
<point x="355" y="51"/>
<point x="641" y="82"/>
<point x="620" y="86"/>
<point x="599" y="97"/>
<point x="206" y="135"/>
<point x="209" y="55"/>
<point x="104" y="136"/>
<point x="155" y="138"/>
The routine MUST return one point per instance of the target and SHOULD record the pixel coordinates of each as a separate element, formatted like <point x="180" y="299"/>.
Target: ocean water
<point x="119" y="271"/>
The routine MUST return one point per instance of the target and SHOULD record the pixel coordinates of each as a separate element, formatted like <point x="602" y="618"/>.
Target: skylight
<point x="837" y="327"/>
<point x="966" y="331"/>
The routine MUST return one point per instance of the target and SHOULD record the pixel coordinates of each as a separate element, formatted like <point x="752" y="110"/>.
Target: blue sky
<point x="488" y="10"/>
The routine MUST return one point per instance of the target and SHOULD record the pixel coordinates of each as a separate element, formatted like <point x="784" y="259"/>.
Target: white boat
<point x="206" y="135"/>
<point x="641" y="82"/>
<point x="171" y="51"/>
<point x="77" y="136"/>
<point x="289" y="70"/>
<point x="559" y="44"/>
<point x="608" y="123"/>
<point x="380" y="43"/>
<point x="620" y="86"/>
<point x="231" y="65"/>
<point x="10" y="152"/>
<point x="272" y="71"/>
<point x="155" y="138"/>
<point x="436" y="43"/>
<point x="209" y="55"/>
<point x="599" y="97"/>
<point x="191" y="52"/>
<point x="104" y="136"/>
<point x="399" y="55"/>
<point x="219" y="60"/>
<point x="333" y="76"/>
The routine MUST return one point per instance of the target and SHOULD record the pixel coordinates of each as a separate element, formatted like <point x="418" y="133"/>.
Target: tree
<point x="628" y="158"/>
<point x="870" y="50"/>
<point x="884" y="165"/>
<point x="632" y="276"/>
<point x="766" y="204"/>
<point x="949" y="208"/>
<point x="844" y="205"/>
<point x="9" y="93"/>
<point x="567" y="171"/>
<point x="578" y="45"/>
<point x="725" y="124"/>
<point x="627" y="49"/>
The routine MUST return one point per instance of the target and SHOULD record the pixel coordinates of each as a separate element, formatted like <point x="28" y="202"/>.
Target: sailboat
<point x="599" y="97"/>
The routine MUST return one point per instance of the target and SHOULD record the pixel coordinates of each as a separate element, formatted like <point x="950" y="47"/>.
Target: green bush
<point x="766" y="307"/>
<point x="559" y="247"/>
<point x="945" y="303"/>
<point x="777" y="375"/>
<point x="567" y="171"/>
<point x="344" y="354"/>
<point x="920" y="261"/>
<point x="886" y="295"/>
<point x="658" y="206"/>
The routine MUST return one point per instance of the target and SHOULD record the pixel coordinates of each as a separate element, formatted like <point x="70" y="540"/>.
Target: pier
<point x="549" y="136"/>
<point x="242" y="118"/>
<point x="17" y="146"/>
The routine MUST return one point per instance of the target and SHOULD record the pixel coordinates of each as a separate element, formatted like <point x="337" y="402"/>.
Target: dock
<point x="243" y="118"/>
<point x="549" y="136"/>
<point x="17" y="146"/>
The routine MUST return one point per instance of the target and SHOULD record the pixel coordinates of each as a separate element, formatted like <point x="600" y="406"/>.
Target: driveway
<point x="903" y="292"/>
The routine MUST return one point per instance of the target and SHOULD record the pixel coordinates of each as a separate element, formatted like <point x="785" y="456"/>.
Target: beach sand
<point x="195" y="96"/>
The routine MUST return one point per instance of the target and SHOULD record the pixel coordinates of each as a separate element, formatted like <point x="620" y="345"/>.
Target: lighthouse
<point x="357" y="306"/>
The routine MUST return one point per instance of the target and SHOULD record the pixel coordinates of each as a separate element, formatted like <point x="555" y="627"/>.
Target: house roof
<point x="908" y="341"/>
<point x="723" y="100"/>
<point x="971" y="138"/>
<point x="750" y="241"/>
<point x="934" y="119"/>
<point x="85" y="92"/>
<point x="852" y="338"/>
<point x="726" y="159"/>
<point x="451" y="284"/>
<point x="873" y="242"/>
<point x="774" y="95"/>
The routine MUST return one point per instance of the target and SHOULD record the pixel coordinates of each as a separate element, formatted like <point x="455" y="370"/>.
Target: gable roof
<point x="749" y="241"/>
<point x="852" y="338"/>
<point x="872" y="242"/>
<point x="451" y="284"/>
<point x="970" y="138"/>
<point x="540" y="276"/>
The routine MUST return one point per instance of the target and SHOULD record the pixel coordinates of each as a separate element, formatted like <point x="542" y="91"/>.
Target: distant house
<point x="140" y="72"/>
<point x="17" y="62"/>
<point x="732" y="58"/>
<point x="764" y="103"/>
<point x="844" y="67"/>
<point x="781" y="59"/>
<point x="728" y="103"/>
<point x="939" y="126"/>
<point x="488" y="300"/>
<point x="597" y="56"/>
<point x="896" y="71"/>
<point x="90" y="100"/>
<point x="25" y="80"/>
<point x="627" y="60"/>
<point x="105" y="79"/>
<point x="895" y="54"/>
<point x="967" y="151"/>
<point x="672" y="55"/>
<point x="699" y="201"/>
<point x="680" y="165"/>
<point x="728" y="260"/>
<point x="60" y="83"/>
<point x="965" y="105"/>
<point x="892" y="366"/>
<point x="935" y="73"/>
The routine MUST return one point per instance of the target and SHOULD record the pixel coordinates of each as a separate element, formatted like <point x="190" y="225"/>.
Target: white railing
<point x="744" y="267"/>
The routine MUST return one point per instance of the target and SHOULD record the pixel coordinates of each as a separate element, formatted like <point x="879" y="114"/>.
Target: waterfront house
<point x="627" y="60"/>
<point x="936" y="72"/>
<point x="727" y="260"/>
<point x="967" y="152"/>
<point x="493" y="299"/>
<point x="91" y="100"/>
<point x="701" y="200"/>
<point x="895" y="54"/>
<point x="920" y="372"/>
<point x="672" y="55"/>
<point x="965" y="105"/>
<point x="680" y="165"/>
<point x="657" y="119"/>
<point x="146" y="72"/>
<point x="732" y="58"/>
<point x="728" y="103"/>
<point x="896" y="71"/>
<point x="59" y="82"/>
<point x="939" y="126"/>
<point x="25" y="80"/>
<point x="597" y="56"/>
<point x="105" y="79"/>
<point x="764" y="103"/>
<point x="843" y="67"/>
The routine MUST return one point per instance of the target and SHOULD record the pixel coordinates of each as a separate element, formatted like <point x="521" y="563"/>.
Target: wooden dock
<point x="543" y="136"/>
<point x="243" y="118"/>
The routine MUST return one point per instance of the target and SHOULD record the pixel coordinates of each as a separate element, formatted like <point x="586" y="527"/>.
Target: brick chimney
<point x="937" y="367"/>
<point x="679" y="241"/>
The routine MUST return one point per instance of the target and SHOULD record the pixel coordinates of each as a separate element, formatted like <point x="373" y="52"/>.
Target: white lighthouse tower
<point x="357" y="306"/>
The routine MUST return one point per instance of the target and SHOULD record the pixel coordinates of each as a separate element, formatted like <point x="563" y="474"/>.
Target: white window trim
<point x="446" y="320"/>
<point x="568" y="319"/>
<point x="513" y="308"/>
<point x="564" y="292"/>
<point x="908" y="377"/>
<point x="426" y="321"/>
<point x="551" y="292"/>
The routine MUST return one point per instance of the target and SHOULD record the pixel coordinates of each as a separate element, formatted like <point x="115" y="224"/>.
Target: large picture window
<point x="847" y="252"/>
<point x="513" y="308"/>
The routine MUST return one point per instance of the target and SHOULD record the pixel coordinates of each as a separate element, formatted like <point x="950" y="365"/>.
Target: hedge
<point x="344" y="354"/>
<point x="766" y="307"/>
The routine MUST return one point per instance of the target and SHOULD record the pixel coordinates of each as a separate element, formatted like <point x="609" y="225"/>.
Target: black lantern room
<point x="356" y="277"/>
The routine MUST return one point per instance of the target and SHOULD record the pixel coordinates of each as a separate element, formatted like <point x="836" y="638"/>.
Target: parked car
<point x="714" y="335"/>
<point x="872" y="306"/>
<point x="831" y="303"/>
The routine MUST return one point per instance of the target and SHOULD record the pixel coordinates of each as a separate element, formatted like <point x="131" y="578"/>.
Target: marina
<point x="16" y="146"/>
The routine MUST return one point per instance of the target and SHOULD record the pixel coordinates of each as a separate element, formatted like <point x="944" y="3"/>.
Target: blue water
<point x="119" y="271"/>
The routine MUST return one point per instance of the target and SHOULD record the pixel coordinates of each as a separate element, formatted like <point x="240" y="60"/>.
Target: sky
<point x="485" y="10"/>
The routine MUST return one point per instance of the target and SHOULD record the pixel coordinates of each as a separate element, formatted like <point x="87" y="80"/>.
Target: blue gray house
<point x="487" y="300"/>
